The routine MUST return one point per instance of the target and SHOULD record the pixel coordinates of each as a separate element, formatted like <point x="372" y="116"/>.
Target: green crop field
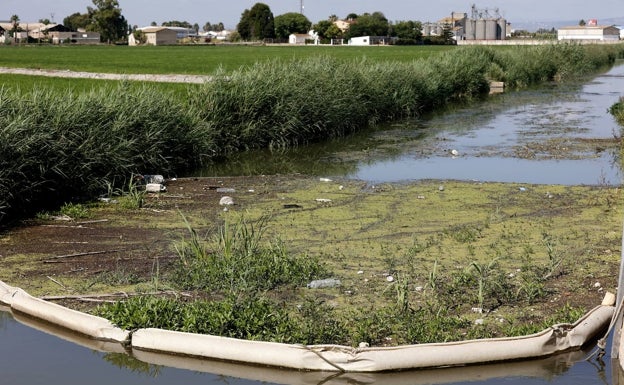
<point x="205" y="59"/>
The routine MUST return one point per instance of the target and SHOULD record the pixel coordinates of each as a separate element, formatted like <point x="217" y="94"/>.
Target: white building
<point x="589" y="32"/>
<point x="302" y="38"/>
<point x="370" y="40"/>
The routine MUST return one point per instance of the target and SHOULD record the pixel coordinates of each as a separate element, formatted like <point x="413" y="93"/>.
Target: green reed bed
<point x="54" y="147"/>
<point x="58" y="145"/>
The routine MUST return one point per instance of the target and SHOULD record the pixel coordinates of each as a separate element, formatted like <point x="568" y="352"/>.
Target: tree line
<point x="256" y="23"/>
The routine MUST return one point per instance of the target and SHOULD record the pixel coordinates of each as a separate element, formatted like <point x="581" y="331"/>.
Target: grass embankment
<point x="56" y="146"/>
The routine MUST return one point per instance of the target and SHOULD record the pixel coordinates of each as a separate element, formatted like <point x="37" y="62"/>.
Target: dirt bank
<point x="430" y="231"/>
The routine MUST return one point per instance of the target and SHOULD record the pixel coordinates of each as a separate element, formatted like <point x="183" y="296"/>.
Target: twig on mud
<point x="94" y="221"/>
<point x="51" y="259"/>
<point x="101" y="297"/>
<point x="57" y="282"/>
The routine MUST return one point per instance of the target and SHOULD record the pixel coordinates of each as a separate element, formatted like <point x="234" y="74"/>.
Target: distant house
<point x="589" y="32"/>
<point x="183" y="32"/>
<point x="303" y="38"/>
<point x="343" y="25"/>
<point x="219" y="35"/>
<point x="370" y="40"/>
<point x="55" y="33"/>
<point x="59" y="34"/>
<point x="156" y="36"/>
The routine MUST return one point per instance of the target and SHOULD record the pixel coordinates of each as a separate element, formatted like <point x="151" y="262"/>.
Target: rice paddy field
<point x="203" y="59"/>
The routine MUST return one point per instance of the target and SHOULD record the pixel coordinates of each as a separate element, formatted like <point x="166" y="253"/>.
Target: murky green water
<point x="489" y="138"/>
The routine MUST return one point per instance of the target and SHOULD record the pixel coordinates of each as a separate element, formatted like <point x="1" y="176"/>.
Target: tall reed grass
<point x="56" y="146"/>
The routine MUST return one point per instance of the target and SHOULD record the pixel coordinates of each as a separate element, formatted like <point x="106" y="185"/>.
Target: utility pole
<point x="301" y="6"/>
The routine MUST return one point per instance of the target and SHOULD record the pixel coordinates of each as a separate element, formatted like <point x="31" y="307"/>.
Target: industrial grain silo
<point x="480" y="29"/>
<point x="427" y="29"/>
<point x="491" y="27"/>
<point x="471" y="29"/>
<point x="502" y="29"/>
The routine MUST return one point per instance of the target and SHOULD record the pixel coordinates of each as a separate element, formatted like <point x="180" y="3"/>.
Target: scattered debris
<point x="155" y="188"/>
<point x="225" y="190"/>
<point x="325" y="180"/>
<point x="62" y="218"/>
<point x="226" y="201"/>
<point x="323" y="200"/>
<point x="155" y="179"/>
<point x="321" y="283"/>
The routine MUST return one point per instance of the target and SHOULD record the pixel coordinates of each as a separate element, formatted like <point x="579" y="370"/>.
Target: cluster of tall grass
<point x="57" y="146"/>
<point x="235" y="259"/>
<point x="617" y="110"/>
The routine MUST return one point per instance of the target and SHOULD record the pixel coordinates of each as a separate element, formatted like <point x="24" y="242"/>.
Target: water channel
<point x="491" y="141"/>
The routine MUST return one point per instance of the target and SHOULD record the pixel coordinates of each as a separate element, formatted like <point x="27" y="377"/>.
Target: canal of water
<point x="488" y="138"/>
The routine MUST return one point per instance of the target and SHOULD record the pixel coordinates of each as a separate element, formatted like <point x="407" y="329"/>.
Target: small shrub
<point x="238" y="260"/>
<point x="75" y="210"/>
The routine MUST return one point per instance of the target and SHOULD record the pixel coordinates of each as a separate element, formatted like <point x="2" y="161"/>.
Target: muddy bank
<point x="429" y="231"/>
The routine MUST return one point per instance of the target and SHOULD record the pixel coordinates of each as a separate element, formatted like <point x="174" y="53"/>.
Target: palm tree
<point x="15" y="21"/>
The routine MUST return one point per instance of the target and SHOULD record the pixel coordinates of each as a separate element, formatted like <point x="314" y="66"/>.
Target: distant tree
<point x="447" y="34"/>
<point x="374" y="24"/>
<point x="321" y="27"/>
<point x="139" y="36"/>
<point x="234" y="36"/>
<point x="153" y="24"/>
<point x="177" y="23"/>
<point x="291" y="22"/>
<point x="582" y="23"/>
<point x="327" y="30"/>
<point x="352" y="16"/>
<point x="213" y="27"/>
<point x="409" y="32"/>
<point x="46" y="32"/>
<point x="196" y="27"/>
<point x="77" y="21"/>
<point x="257" y="23"/>
<point x="106" y="18"/>
<point x="15" y="28"/>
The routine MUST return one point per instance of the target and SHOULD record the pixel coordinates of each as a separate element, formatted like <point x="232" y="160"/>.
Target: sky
<point x="143" y="12"/>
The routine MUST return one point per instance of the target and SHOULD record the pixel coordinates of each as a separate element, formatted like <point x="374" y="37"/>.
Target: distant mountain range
<point x="533" y="26"/>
